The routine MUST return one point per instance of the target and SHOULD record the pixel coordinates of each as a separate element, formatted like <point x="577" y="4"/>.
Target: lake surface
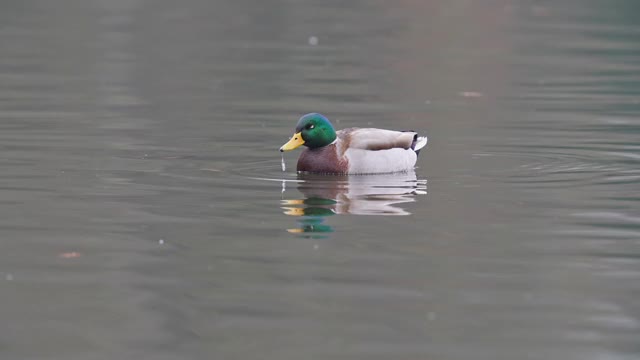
<point x="144" y="213"/>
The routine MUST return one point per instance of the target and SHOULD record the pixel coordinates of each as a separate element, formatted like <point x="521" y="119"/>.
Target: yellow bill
<point x="295" y="142"/>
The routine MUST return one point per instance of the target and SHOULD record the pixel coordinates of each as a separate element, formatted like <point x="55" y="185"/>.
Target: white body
<point x="380" y="161"/>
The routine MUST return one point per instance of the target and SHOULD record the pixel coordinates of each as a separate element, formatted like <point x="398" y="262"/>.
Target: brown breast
<point x="322" y="160"/>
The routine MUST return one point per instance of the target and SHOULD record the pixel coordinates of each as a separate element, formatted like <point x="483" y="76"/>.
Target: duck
<point x="352" y="150"/>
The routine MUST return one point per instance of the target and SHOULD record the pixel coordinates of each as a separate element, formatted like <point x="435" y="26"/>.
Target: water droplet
<point x="161" y="241"/>
<point x="313" y="40"/>
<point x="9" y="277"/>
<point x="316" y="247"/>
<point x="284" y="167"/>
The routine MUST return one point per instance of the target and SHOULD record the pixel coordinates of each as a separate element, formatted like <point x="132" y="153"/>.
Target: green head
<point x="313" y="131"/>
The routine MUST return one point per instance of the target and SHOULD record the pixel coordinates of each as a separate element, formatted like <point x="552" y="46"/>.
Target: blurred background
<point x="144" y="213"/>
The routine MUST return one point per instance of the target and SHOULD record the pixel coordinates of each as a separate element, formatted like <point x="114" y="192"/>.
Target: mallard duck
<point x="353" y="150"/>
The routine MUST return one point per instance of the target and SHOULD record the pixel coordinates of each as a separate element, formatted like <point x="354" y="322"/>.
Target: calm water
<point x="144" y="214"/>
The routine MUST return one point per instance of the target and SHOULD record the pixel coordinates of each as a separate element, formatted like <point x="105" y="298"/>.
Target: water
<point x="144" y="213"/>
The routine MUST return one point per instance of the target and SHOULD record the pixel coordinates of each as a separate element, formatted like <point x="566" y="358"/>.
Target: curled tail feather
<point x="419" y="143"/>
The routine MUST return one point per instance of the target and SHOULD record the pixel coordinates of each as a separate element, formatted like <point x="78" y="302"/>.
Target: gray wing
<point x="379" y="139"/>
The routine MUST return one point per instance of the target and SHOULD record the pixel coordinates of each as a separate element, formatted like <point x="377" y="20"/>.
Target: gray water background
<point x="144" y="214"/>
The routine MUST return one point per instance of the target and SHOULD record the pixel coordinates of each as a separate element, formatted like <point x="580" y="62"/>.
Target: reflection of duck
<point x="354" y="150"/>
<point x="358" y="195"/>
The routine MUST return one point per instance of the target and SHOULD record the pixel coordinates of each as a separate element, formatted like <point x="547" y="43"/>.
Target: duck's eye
<point x="310" y="126"/>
